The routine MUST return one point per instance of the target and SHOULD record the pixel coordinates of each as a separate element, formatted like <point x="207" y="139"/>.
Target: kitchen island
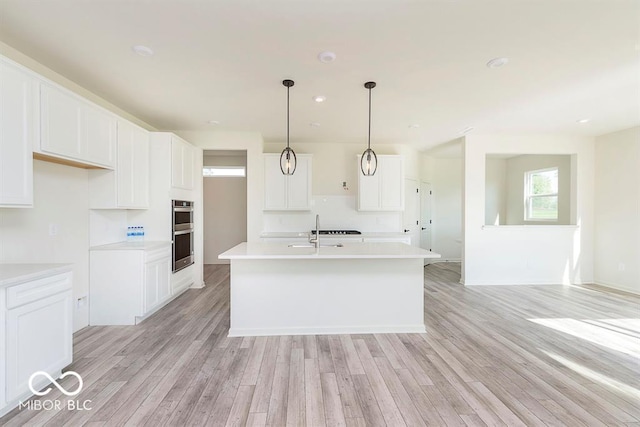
<point x="277" y="289"/>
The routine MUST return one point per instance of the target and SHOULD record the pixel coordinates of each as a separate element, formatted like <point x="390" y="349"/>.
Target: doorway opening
<point x="224" y="191"/>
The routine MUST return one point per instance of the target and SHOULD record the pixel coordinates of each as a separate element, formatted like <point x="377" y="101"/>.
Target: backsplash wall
<point x="336" y="212"/>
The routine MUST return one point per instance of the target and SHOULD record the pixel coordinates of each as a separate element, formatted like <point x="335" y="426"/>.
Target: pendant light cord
<point x="287" y="116"/>
<point x="369" y="139"/>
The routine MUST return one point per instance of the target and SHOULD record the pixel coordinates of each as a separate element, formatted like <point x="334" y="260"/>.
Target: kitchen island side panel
<point x="326" y="296"/>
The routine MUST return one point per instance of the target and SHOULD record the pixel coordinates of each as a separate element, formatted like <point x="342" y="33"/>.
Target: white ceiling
<point x="225" y="61"/>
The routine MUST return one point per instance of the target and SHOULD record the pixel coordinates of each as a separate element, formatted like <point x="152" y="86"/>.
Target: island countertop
<point x="255" y="250"/>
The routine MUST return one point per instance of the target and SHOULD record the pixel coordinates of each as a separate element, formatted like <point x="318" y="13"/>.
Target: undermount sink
<point x="311" y="245"/>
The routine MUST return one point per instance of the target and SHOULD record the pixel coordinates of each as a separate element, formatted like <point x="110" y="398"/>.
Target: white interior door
<point x="411" y="217"/>
<point x="425" y="215"/>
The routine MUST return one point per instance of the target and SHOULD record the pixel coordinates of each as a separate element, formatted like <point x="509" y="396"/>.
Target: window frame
<point x="529" y="197"/>
<point x="223" y="175"/>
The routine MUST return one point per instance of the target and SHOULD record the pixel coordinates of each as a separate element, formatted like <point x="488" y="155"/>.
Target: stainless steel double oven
<point x="182" y="244"/>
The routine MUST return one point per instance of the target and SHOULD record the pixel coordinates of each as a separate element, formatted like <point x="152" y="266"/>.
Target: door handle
<point x="406" y="231"/>
<point x="424" y="228"/>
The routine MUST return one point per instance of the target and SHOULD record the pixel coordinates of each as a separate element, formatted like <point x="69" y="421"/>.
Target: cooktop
<point x="337" y="232"/>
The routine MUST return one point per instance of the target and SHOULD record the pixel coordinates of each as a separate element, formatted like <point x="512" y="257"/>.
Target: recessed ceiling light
<point x="583" y="121"/>
<point x="414" y="126"/>
<point x="326" y="57"/>
<point x="467" y="130"/>
<point x="319" y="98"/>
<point x="314" y="124"/>
<point x="142" y="50"/>
<point x="213" y="122"/>
<point x="497" y="62"/>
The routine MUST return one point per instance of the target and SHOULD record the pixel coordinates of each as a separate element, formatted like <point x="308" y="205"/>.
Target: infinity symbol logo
<point x="55" y="383"/>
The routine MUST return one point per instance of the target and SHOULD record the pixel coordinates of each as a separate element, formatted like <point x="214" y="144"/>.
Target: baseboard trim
<point x="438" y="260"/>
<point x="613" y="287"/>
<point x="399" y="329"/>
<point x="511" y="283"/>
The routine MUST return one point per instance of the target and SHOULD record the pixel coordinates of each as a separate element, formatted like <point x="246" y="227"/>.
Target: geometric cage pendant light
<point x="288" y="161"/>
<point x="369" y="160"/>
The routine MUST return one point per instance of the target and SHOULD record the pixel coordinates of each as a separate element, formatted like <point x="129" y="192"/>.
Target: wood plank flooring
<point x="492" y="355"/>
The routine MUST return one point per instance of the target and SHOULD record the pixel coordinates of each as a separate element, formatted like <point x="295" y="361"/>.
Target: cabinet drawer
<point x="37" y="289"/>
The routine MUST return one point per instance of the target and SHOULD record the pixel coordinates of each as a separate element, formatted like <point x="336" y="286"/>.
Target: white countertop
<point x="132" y="246"/>
<point x="296" y="234"/>
<point x="11" y="274"/>
<point x="253" y="250"/>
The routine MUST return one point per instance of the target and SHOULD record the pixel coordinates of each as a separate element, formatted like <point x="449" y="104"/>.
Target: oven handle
<point x="178" y="233"/>
<point x="185" y="226"/>
<point x="182" y="209"/>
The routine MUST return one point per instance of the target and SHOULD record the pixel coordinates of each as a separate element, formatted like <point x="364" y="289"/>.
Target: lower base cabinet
<point x="38" y="333"/>
<point x="128" y="283"/>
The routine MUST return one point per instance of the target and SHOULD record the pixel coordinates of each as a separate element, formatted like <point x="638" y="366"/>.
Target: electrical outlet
<point x="621" y="266"/>
<point x="53" y="229"/>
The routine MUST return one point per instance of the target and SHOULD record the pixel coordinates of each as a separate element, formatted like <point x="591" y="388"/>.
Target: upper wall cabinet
<point x="18" y="129"/>
<point x="72" y="129"/>
<point x="182" y="164"/>
<point x="126" y="187"/>
<point x="287" y="192"/>
<point x="383" y="191"/>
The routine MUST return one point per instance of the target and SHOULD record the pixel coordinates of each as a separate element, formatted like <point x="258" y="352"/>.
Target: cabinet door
<point x="176" y="163"/>
<point x="150" y="286"/>
<point x="133" y="166"/>
<point x="368" y="191"/>
<point x="299" y="185"/>
<point x="275" y="184"/>
<point x="182" y="164"/>
<point x="188" y="166"/>
<point x="60" y="117"/>
<point x="17" y="132"/>
<point x="140" y="168"/>
<point x="98" y="136"/>
<point x="39" y="338"/>
<point x="392" y="183"/>
<point x="164" y="283"/>
<point x="125" y="166"/>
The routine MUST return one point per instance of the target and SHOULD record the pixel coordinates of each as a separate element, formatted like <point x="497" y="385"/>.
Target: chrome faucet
<point x="316" y="240"/>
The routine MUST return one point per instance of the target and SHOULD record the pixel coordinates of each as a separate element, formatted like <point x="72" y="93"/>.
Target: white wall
<point x="225" y="209"/>
<point x="495" y="209"/>
<point x="617" y="210"/>
<point x="61" y="197"/>
<point x="527" y="254"/>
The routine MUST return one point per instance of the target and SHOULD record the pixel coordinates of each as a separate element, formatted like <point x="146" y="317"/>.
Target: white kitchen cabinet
<point x="287" y="192"/>
<point x="18" y="130"/>
<point x="126" y="187"/>
<point x="182" y="164"/>
<point x="383" y="191"/>
<point x="73" y="129"/>
<point x="156" y="281"/>
<point x="128" y="282"/>
<point x="36" y="307"/>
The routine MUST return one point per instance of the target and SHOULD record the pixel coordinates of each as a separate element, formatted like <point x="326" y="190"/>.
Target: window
<point x="541" y="195"/>
<point x="224" y="171"/>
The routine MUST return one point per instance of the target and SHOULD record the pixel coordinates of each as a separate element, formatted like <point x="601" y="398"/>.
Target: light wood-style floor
<point x="493" y="355"/>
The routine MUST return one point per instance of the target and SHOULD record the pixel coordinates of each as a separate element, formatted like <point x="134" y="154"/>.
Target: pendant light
<point x="288" y="161"/>
<point x="369" y="160"/>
